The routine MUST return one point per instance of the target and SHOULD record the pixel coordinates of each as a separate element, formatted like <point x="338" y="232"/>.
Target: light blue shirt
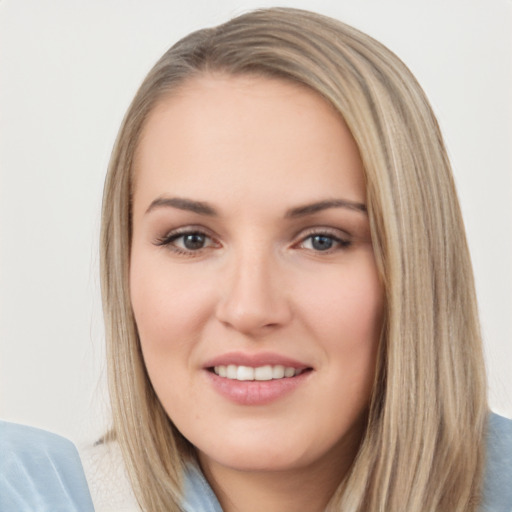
<point x="199" y="496"/>
<point x="497" y="490"/>
<point x="40" y="472"/>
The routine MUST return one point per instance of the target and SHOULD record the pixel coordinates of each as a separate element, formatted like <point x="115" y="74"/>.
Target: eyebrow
<point x="310" y="209"/>
<point x="199" y="207"/>
<point x="203" y="208"/>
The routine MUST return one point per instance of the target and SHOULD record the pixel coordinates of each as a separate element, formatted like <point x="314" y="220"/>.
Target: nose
<point x="252" y="296"/>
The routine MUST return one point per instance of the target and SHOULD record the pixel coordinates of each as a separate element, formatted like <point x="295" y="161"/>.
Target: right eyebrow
<point x="182" y="203"/>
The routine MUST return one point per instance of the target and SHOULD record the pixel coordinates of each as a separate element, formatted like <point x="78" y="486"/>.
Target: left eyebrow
<point x="309" y="209"/>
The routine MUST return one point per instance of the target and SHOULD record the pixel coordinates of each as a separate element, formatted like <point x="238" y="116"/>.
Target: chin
<point x="254" y="461"/>
<point x="266" y="453"/>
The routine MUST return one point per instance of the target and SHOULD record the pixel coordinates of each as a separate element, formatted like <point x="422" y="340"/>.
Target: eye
<point x="191" y="241"/>
<point x="186" y="242"/>
<point x="324" y="242"/>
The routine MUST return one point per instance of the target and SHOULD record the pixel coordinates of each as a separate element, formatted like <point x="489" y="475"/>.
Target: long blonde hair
<point x="423" y="446"/>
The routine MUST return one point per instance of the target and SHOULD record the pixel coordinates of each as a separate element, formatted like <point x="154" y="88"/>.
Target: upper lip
<point x="255" y="360"/>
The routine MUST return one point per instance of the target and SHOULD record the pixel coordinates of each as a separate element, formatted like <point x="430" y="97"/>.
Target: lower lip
<point x="256" y="392"/>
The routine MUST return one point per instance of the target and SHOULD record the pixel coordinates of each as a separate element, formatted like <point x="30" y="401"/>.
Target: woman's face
<point x="253" y="280"/>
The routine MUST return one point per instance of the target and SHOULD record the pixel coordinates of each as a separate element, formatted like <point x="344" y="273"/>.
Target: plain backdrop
<point x="68" y="70"/>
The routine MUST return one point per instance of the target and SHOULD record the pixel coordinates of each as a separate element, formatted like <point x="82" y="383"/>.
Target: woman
<point x="290" y="312"/>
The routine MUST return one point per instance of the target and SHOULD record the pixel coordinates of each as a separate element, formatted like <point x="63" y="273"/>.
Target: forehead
<point x="225" y="133"/>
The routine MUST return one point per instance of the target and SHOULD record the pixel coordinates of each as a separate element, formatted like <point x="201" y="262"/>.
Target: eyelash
<point x="169" y="240"/>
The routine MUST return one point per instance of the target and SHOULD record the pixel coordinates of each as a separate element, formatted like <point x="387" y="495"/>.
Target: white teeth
<point x="231" y="371"/>
<point x="278" y="372"/>
<point x="245" y="373"/>
<point x="289" y="372"/>
<point x="266" y="372"/>
<point x="263" y="373"/>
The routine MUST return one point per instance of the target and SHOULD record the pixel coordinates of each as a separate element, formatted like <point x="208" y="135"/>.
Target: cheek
<point x="347" y="315"/>
<point x="170" y="308"/>
<point x="168" y="303"/>
<point x="346" y="319"/>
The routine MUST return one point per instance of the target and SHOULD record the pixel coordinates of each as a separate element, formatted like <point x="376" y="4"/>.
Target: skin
<point x="257" y="281"/>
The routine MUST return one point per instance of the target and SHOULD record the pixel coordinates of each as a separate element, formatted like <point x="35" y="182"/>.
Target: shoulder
<point x="497" y="491"/>
<point x="40" y="471"/>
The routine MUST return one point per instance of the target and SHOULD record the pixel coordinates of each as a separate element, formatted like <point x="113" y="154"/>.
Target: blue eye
<point x="323" y="242"/>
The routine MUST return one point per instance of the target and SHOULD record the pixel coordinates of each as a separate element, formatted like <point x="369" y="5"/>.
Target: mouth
<point x="259" y="373"/>
<point x="256" y="379"/>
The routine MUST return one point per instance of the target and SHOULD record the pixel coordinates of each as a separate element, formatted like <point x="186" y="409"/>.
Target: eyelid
<point x="323" y="230"/>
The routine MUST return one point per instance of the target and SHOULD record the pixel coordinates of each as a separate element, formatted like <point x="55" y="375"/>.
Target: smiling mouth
<point x="259" y="373"/>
